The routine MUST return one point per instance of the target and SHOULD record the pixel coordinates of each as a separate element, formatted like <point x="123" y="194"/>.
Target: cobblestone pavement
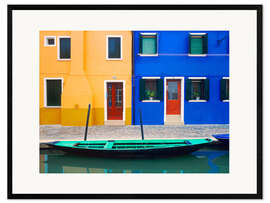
<point x="49" y="133"/>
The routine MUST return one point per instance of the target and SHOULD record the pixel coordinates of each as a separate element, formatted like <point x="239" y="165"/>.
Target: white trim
<point x="148" y="33"/>
<point x="226" y="100"/>
<point x="46" y="42"/>
<point x="226" y="78"/>
<point x="147" y="78"/>
<point x="147" y="54"/>
<point x="45" y="91"/>
<point x="182" y="102"/>
<point x="107" y="46"/>
<point x="150" y="101"/>
<point x="198" y="55"/>
<point x="197" y="100"/>
<point x="58" y="48"/>
<point x="202" y="33"/>
<point x="197" y="78"/>
<point x="105" y="98"/>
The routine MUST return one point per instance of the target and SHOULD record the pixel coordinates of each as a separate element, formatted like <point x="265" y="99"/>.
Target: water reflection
<point x="203" y="161"/>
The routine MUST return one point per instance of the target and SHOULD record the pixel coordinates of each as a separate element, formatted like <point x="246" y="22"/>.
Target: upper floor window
<point x="114" y="45"/>
<point x="64" y="48"/>
<point x="198" y="44"/>
<point x="197" y="89"/>
<point x="49" y="41"/>
<point x="224" y="89"/>
<point x="148" y="44"/>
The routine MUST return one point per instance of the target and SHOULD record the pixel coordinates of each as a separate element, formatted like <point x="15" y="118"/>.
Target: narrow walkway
<point x="49" y="133"/>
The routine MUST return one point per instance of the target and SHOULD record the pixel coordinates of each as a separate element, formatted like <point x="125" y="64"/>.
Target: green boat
<point x="130" y="148"/>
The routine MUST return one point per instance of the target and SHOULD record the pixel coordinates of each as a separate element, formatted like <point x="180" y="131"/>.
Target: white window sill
<point x="150" y="100"/>
<point x="198" y="55"/>
<point x="52" y="45"/>
<point x="148" y="54"/>
<point x="197" y="100"/>
<point x="64" y="59"/>
<point x="52" y="107"/>
<point x="226" y="100"/>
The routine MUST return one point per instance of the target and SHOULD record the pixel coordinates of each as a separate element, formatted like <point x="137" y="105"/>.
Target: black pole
<point x="87" y="121"/>
<point x="141" y="124"/>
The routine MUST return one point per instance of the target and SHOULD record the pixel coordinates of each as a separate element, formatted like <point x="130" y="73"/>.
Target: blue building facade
<point x="180" y="77"/>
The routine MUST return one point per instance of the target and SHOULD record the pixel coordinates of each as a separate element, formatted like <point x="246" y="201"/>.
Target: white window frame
<point x="58" y="48"/>
<point x="140" y="54"/>
<point x="107" y="47"/>
<point x="150" y="78"/>
<point x="105" y="98"/>
<point x="182" y="96"/>
<point x="198" y="78"/>
<point x="197" y="55"/>
<point x="46" y="41"/>
<point x="226" y="78"/>
<point x="45" y="91"/>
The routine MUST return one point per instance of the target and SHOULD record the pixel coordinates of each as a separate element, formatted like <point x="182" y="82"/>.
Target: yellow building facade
<point x="78" y="68"/>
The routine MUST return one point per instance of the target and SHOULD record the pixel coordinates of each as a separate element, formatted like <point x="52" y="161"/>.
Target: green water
<point x="206" y="160"/>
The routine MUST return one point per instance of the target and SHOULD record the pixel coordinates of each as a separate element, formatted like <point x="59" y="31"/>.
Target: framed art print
<point x="135" y="101"/>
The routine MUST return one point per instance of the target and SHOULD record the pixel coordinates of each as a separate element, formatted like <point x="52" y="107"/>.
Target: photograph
<point x="134" y="101"/>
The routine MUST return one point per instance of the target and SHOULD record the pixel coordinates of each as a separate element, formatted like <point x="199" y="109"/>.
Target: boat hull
<point x="128" y="153"/>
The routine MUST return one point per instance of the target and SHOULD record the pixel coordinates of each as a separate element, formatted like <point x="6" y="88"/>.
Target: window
<point x="198" y="44"/>
<point x="197" y="89"/>
<point x="148" y="44"/>
<point x="53" y="92"/>
<point x="224" y="89"/>
<point x="114" y="48"/>
<point x="151" y="89"/>
<point x="49" y="41"/>
<point x="64" y="48"/>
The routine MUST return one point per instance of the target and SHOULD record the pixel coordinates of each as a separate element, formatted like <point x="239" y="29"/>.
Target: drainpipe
<point x="133" y="81"/>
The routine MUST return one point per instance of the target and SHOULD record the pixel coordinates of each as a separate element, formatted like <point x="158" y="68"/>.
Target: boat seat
<point x="109" y="145"/>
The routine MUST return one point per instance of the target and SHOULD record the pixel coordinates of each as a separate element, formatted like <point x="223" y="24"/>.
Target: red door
<point x="173" y="97"/>
<point x="114" y="101"/>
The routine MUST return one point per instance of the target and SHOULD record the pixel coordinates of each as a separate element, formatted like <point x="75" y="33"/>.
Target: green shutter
<point x="142" y="89"/>
<point x="188" y="89"/>
<point x="160" y="89"/>
<point x="196" y="44"/>
<point x="206" y="89"/>
<point x="205" y="44"/>
<point x="149" y="45"/>
<point x="222" y="89"/>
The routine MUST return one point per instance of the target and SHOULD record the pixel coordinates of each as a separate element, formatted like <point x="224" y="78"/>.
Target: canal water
<point x="206" y="160"/>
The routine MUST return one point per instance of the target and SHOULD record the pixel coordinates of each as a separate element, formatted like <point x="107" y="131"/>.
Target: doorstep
<point x="114" y="122"/>
<point x="173" y="120"/>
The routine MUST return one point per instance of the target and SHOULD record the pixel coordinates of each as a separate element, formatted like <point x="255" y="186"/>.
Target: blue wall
<point x="173" y="60"/>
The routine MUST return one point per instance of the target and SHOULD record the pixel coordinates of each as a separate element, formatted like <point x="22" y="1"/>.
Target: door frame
<point x="105" y="98"/>
<point x="182" y="79"/>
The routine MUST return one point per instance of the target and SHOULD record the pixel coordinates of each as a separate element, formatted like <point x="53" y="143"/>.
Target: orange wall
<point x="84" y="76"/>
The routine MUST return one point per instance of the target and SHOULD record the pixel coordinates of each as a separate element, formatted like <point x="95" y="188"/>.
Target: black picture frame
<point x="257" y="8"/>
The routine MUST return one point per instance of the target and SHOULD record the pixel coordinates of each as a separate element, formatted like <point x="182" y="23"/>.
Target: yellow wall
<point x="84" y="76"/>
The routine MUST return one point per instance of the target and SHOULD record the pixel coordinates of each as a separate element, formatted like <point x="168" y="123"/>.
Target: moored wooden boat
<point x="132" y="148"/>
